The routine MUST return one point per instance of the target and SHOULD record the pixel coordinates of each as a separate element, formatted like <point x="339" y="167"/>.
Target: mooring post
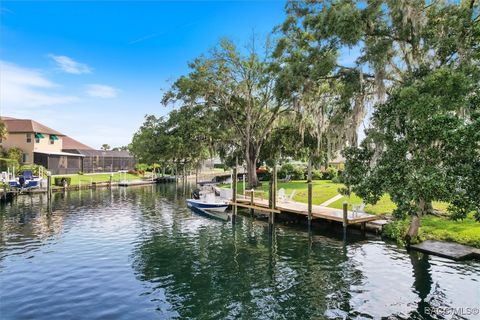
<point x="345" y="218"/>
<point x="309" y="191"/>
<point x="251" y="201"/>
<point x="49" y="185"/>
<point x="274" y="191"/>
<point x="363" y="228"/>
<point x="111" y="178"/>
<point x="272" y="197"/>
<point x="270" y="204"/>
<point x="234" y="193"/>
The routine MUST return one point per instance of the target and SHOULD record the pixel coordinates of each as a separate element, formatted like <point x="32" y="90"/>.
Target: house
<point x="59" y="153"/>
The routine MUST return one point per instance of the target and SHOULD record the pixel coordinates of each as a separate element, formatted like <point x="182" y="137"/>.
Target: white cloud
<point x="101" y="91"/>
<point x="21" y="87"/>
<point x="69" y="65"/>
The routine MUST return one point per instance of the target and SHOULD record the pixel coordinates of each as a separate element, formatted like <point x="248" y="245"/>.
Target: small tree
<point x="105" y="147"/>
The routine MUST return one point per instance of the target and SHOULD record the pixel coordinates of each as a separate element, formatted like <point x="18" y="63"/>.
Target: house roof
<point x="72" y="144"/>
<point x="108" y="153"/>
<point x="53" y="153"/>
<point x="26" y="126"/>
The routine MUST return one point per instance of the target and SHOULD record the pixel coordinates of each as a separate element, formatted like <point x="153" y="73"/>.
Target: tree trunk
<point x="252" y="172"/>
<point x="412" y="233"/>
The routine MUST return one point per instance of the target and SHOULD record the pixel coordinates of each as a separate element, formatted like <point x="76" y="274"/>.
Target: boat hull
<point x="218" y="207"/>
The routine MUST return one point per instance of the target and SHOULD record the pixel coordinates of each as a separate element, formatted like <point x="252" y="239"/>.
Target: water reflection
<point x="155" y="258"/>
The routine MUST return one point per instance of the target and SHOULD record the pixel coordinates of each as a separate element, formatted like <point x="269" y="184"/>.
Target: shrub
<point x="35" y="168"/>
<point x="264" y="176"/>
<point x="80" y="173"/>
<point x="285" y="170"/>
<point x="298" y="173"/>
<point x="219" y="166"/>
<point x="58" y="181"/>
<point x="317" y="174"/>
<point x="332" y="171"/>
<point x="396" y="230"/>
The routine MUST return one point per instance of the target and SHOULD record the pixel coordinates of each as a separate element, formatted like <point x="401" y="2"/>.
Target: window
<point x="25" y="157"/>
<point x="29" y="137"/>
<point x="53" y="137"/>
<point x="38" y="136"/>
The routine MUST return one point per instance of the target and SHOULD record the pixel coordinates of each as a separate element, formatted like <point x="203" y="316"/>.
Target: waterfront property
<point x="59" y="153"/>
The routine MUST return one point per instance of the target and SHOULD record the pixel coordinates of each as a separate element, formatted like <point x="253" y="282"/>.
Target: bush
<point x="396" y="230"/>
<point x="133" y="172"/>
<point x="298" y="173"/>
<point x="264" y="176"/>
<point x="35" y="168"/>
<point x="219" y="166"/>
<point x="317" y="174"/>
<point x="80" y="173"/>
<point x="58" y="181"/>
<point x="338" y="178"/>
<point x="285" y="170"/>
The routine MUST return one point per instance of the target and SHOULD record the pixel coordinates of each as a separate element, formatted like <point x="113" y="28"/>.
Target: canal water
<point x="139" y="253"/>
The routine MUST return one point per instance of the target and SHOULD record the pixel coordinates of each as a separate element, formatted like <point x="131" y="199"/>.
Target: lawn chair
<point x="358" y="208"/>
<point x="290" y="198"/>
<point x="282" y="196"/>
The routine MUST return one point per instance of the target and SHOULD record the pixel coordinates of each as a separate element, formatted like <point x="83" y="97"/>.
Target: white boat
<point x="212" y="206"/>
<point x="25" y="181"/>
<point x="205" y="199"/>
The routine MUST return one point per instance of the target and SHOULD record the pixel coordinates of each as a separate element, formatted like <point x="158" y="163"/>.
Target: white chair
<point x="281" y="195"/>
<point x="358" y="208"/>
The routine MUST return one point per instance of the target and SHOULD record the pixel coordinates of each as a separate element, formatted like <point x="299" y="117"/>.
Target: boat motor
<point x="196" y="194"/>
<point x="21" y="181"/>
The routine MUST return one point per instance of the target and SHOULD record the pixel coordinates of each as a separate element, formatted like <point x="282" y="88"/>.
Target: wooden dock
<point x="318" y="212"/>
<point x="447" y="250"/>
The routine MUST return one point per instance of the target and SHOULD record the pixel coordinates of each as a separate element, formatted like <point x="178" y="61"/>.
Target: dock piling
<point x="251" y="201"/>
<point x="49" y="185"/>
<point x="345" y="218"/>
<point x="309" y="186"/>
<point x="234" y="193"/>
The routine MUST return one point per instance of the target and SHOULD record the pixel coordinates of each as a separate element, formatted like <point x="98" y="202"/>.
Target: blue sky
<point x="92" y="70"/>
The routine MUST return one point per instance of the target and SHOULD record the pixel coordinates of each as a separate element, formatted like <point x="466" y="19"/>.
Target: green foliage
<point x="58" y="181"/>
<point x="237" y="90"/>
<point x="15" y="154"/>
<point x="423" y="145"/>
<point x="35" y="168"/>
<point x="317" y="174"/>
<point x="396" y="230"/>
<point x="285" y="170"/>
<point x="105" y="147"/>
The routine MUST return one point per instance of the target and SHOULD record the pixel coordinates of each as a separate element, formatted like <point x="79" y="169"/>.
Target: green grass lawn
<point x="466" y="231"/>
<point x="384" y="206"/>
<point x="103" y="177"/>
<point x="322" y="190"/>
